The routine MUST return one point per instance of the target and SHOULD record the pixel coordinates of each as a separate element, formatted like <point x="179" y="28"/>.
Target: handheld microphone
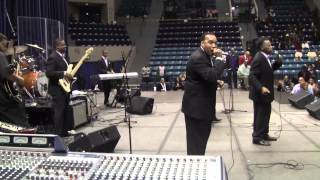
<point x="225" y="53"/>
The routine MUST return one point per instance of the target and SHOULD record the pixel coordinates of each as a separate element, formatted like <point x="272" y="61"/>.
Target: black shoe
<point x="216" y="120"/>
<point x="261" y="142"/>
<point x="269" y="138"/>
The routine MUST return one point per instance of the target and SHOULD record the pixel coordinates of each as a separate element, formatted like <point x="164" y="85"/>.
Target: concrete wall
<point x="115" y="52"/>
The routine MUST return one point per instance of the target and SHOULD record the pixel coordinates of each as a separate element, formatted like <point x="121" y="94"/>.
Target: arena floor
<point x="296" y="154"/>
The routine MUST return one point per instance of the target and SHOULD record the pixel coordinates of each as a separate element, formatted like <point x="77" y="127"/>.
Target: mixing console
<point x="39" y="161"/>
<point x="116" y="166"/>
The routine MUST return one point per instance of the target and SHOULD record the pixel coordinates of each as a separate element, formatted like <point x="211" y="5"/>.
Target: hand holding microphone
<point x="217" y="52"/>
<point x="265" y="90"/>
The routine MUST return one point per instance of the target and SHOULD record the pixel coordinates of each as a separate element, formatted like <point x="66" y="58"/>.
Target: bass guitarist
<point x="11" y="107"/>
<point x="57" y="66"/>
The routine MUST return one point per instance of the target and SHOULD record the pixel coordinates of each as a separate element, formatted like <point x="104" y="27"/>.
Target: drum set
<point x="35" y="81"/>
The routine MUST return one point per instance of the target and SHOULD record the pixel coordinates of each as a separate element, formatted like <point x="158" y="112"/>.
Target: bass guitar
<point x="66" y="83"/>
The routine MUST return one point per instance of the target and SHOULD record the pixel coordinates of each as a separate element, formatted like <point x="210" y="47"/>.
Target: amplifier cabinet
<point x="77" y="113"/>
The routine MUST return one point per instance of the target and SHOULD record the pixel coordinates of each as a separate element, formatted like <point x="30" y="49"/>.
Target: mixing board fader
<point x="17" y="164"/>
<point x="69" y="166"/>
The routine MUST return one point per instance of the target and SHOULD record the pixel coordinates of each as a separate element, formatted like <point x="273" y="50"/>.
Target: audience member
<point x="161" y="72"/>
<point x="162" y="85"/>
<point x="243" y="74"/>
<point x="317" y="64"/>
<point x="233" y="65"/>
<point x="145" y="73"/>
<point x="302" y="86"/>
<point x="304" y="73"/>
<point x="297" y="56"/>
<point x="178" y="84"/>
<point x="314" y="85"/>
<point x="285" y="84"/>
<point x="245" y="57"/>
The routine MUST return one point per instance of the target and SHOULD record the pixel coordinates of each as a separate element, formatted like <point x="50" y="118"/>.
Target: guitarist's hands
<point x="68" y="76"/>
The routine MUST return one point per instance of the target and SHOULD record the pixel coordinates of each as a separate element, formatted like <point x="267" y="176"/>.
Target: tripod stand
<point x="231" y="100"/>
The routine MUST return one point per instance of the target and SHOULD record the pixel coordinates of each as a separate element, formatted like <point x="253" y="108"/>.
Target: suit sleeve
<point x="254" y="75"/>
<point x="51" y="69"/>
<point x="276" y="65"/>
<point x="207" y="73"/>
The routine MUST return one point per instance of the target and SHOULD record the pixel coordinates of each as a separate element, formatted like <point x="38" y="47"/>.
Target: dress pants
<point x="60" y="106"/>
<point x="198" y="132"/>
<point x="261" y="118"/>
<point x="106" y="87"/>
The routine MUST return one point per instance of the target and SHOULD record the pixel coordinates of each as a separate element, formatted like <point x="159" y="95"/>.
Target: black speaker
<point x="140" y="105"/>
<point x="79" y="143"/>
<point x="135" y="92"/>
<point x="104" y="140"/>
<point x="314" y="109"/>
<point x="301" y="99"/>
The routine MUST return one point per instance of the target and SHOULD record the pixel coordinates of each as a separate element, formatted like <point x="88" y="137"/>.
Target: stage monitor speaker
<point x="140" y="105"/>
<point x="104" y="140"/>
<point x="301" y="99"/>
<point x="135" y="92"/>
<point x="79" y="143"/>
<point x="314" y="109"/>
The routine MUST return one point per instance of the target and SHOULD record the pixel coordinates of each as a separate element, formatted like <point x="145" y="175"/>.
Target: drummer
<point x="11" y="107"/>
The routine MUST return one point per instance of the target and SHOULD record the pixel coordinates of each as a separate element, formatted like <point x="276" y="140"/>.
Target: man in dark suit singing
<point x="105" y="67"/>
<point x="261" y="91"/>
<point x="199" y="99"/>
<point x="56" y="69"/>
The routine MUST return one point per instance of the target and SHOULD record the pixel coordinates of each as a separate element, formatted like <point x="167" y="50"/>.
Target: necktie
<point x="269" y="62"/>
<point x="212" y="59"/>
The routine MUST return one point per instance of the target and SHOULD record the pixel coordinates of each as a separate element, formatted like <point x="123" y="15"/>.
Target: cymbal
<point x="35" y="46"/>
<point x="16" y="49"/>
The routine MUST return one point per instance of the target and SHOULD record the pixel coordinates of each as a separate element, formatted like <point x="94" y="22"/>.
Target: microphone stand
<point x="228" y="111"/>
<point x="127" y="98"/>
<point x="11" y="27"/>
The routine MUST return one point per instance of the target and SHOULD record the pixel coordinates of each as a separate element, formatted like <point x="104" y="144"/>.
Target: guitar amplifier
<point x="91" y="100"/>
<point x="77" y="113"/>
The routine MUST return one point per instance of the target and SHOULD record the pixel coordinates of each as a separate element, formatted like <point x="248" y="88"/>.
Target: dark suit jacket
<point x="201" y="85"/>
<point x="261" y="74"/>
<point x="55" y="71"/>
<point x="102" y="68"/>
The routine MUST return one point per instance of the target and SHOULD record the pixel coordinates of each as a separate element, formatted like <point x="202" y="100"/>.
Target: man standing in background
<point x="105" y="67"/>
<point x="261" y="91"/>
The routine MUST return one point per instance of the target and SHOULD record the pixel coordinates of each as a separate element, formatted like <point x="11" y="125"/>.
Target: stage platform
<point x="163" y="132"/>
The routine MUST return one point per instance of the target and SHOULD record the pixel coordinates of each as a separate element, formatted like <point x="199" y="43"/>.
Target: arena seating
<point x="291" y="18"/>
<point x="290" y="26"/>
<point x="137" y="8"/>
<point x="177" y="39"/>
<point x="84" y="33"/>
